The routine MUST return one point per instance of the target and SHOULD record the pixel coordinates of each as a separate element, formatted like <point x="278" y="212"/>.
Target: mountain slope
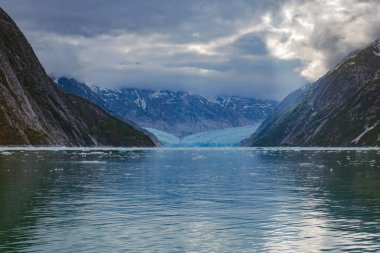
<point x="34" y="111"/>
<point x="178" y="113"/>
<point x="275" y="118"/>
<point x="340" y="109"/>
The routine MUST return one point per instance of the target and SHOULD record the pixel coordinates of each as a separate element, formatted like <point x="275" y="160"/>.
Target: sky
<point x="252" y="48"/>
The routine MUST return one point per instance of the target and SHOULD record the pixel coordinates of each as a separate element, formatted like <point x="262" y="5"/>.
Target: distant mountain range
<point x="175" y="112"/>
<point x="340" y="109"/>
<point x="34" y="111"/>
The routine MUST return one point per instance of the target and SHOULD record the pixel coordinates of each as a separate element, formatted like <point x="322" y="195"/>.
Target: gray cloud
<point x="94" y="17"/>
<point x="243" y="47"/>
<point x="251" y="44"/>
<point x="320" y="33"/>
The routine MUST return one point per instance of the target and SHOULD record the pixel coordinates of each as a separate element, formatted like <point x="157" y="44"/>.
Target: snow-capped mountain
<point x="175" y="112"/>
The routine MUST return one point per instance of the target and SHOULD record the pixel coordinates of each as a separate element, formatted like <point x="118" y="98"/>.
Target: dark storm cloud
<point x="243" y="47"/>
<point x="94" y="17"/>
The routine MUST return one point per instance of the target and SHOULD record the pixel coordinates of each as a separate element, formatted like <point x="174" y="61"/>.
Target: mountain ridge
<point x="176" y="112"/>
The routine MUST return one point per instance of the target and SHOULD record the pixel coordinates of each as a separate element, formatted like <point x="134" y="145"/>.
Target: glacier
<point x="165" y="138"/>
<point x="228" y="137"/>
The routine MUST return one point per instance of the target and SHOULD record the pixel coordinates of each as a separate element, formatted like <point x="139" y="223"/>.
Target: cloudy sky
<point x="254" y="48"/>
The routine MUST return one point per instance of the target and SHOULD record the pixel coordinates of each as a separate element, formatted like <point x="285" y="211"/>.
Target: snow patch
<point x="157" y="94"/>
<point x="140" y="101"/>
<point x="212" y="100"/>
<point x="357" y="139"/>
<point x="223" y="101"/>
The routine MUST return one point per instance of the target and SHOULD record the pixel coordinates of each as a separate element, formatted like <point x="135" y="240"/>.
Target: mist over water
<point x="197" y="200"/>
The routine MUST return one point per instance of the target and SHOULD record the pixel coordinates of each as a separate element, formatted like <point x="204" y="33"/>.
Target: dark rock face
<point x="34" y="111"/>
<point x="179" y="113"/>
<point x="340" y="109"/>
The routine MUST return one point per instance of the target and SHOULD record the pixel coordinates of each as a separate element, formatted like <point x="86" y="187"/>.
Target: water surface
<point x="189" y="200"/>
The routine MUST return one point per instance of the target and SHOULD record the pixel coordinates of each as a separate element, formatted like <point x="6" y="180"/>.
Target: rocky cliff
<point x="340" y="109"/>
<point x="34" y="111"/>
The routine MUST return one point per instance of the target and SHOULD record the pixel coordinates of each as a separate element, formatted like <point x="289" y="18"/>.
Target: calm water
<point x="208" y="200"/>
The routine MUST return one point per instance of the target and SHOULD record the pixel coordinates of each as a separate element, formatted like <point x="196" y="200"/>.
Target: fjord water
<point x="189" y="200"/>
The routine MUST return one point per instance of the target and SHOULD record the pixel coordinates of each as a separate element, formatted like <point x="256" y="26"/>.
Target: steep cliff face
<point x="340" y="109"/>
<point x="34" y="111"/>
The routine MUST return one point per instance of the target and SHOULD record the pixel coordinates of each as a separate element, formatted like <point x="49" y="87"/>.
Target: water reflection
<point x="189" y="200"/>
<point x="341" y="205"/>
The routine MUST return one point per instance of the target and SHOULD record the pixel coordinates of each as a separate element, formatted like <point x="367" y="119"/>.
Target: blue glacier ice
<point x="228" y="137"/>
